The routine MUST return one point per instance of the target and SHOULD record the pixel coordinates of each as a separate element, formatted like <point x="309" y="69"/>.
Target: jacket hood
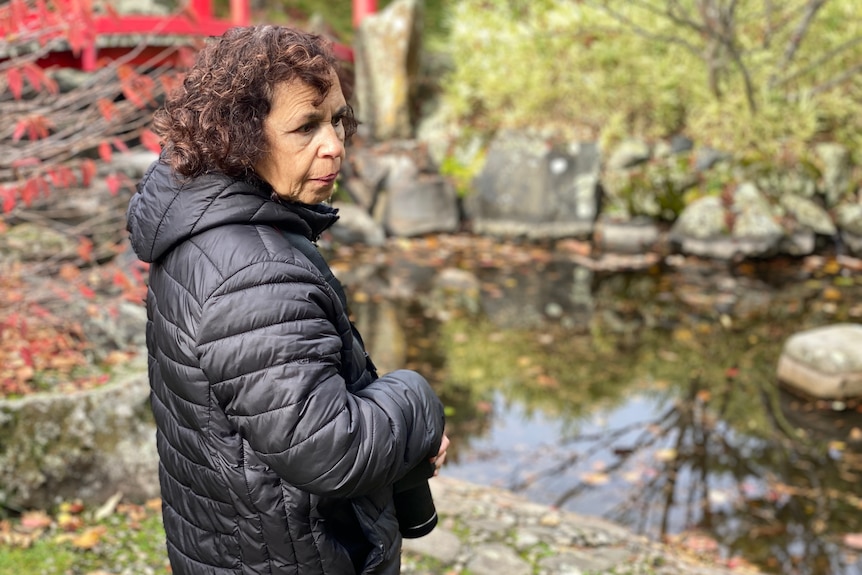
<point x="167" y="210"/>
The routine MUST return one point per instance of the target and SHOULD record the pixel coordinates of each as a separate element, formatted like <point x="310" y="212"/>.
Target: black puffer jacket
<point x="268" y="463"/>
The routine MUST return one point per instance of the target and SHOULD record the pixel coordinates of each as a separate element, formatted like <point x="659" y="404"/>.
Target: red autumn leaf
<point x="20" y="130"/>
<point x="105" y="152"/>
<point x="106" y="108"/>
<point x="28" y="162"/>
<point x="29" y="191"/>
<point x="35" y="520"/>
<point x="26" y="355"/>
<point x="15" y="82"/>
<point x="114" y="182"/>
<point x="34" y="74"/>
<point x="88" y="171"/>
<point x="186" y="57"/>
<point x="120" y="145"/>
<point x="85" y="249"/>
<point x="8" y="199"/>
<point x="121" y="280"/>
<point x="151" y="141"/>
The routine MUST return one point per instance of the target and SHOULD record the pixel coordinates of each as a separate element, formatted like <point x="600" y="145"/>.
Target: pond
<point x="646" y="396"/>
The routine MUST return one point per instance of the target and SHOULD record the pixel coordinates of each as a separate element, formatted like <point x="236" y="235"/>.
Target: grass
<point x="126" y="540"/>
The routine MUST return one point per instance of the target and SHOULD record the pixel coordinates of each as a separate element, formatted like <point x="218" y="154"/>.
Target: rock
<point x="634" y="236"/>
<point x="387" y="51"/>
<point x="530" y="188"/>
<point x="494" y="559"/>
<point x="355" y="225"/>
<point x="702" y="227"/>
<point x="418" y="204"/>
<point x="701" y="219"/>
<point x="824" y="362"/>
<point x="837" y="171"/>
<point x="441" y="545"/>
<point x="808" y="214"/>
<point x="33" y="242"/>
<point x="849" y="218"/>
<point x="707" y="158"/>
<point x="628" y="154"/>
<point x="85" y="445"/>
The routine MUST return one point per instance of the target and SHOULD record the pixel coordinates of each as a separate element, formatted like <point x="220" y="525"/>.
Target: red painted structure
<point x="361" y="9"/>
<point x="198" y="21"/>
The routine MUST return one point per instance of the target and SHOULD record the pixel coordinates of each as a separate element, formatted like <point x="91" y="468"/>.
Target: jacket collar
<point x="167" y="210"/>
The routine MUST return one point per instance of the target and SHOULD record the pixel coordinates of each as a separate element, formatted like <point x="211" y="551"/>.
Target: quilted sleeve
<point x="272" y="356"/>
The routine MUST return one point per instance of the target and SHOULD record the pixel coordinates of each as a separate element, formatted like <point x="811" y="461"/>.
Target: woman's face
<point x="305" y="142"/>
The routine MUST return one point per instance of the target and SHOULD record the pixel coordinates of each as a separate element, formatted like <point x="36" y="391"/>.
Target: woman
<point x="278" y="444"/>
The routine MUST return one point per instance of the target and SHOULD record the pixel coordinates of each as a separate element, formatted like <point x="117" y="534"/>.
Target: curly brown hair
<point x="214" y="120"/>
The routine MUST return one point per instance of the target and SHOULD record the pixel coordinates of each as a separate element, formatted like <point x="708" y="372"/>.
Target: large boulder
<point x="824" y="362"/>
<point x="387" y="52"/>
<point x="530" y="188"/>
<point x="746" y="227"/>
<point x="86" y="445"/>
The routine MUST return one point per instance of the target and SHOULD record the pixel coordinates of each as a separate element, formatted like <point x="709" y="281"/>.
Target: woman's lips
<point x="327" y="179"/>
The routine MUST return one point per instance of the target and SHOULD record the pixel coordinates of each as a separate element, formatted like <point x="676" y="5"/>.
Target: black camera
<point x="414" y="505"/>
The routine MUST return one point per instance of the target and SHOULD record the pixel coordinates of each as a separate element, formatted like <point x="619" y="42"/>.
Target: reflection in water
<point x="649" y="399"/>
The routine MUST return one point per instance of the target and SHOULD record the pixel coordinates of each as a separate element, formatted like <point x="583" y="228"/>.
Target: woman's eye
<point x="336" y="121"/>
<point x="306" y="129"/>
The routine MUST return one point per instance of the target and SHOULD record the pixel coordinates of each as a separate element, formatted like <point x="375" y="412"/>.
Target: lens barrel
<point x="417" y="515"/>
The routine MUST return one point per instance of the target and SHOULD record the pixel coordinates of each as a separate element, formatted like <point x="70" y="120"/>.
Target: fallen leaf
<point x="35" y="520"/>
<point x="853" y="540"/>
<point x="595" y="478"/>
<point x="89" y="538"/>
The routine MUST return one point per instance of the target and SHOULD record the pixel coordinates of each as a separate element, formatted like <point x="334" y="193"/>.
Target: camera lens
<point x="417" y="515"/>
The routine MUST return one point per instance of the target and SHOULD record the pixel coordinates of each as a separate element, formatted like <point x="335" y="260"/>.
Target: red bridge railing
<point x="112" y="33"/>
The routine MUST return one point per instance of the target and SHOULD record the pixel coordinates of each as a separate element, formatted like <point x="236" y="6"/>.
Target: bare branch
<point x="643" y="32"/>
<point x="836" y="81"/>
<point x="817" y="64"/>
<point x="798" y="36"/>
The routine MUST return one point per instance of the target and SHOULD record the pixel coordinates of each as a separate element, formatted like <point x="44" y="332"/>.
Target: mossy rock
<point x="86" y="445"/>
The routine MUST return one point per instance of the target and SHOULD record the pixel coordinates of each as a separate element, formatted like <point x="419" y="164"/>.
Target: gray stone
<point x="628" y="154"/>
<point x="418" y="203"/>
<point x="701" y="219"/>
<point x="824" y="362"/>
<point x="494" y="559"/>
<point x="837" y="171"/>
<point x="707" y="158"/>
<point x="440" y="544"/>
<point x="355" y="225"/>
<point x="701" y="228"/>
<point x="798" y="243"/>
<point x="387" y="53"/>
<point x="852" y="242"/>
<point x="84" y="445"/>
<point x="633" y="236"/>
<point x="30" y="242"/>
<point x="849" y="218"/>
<point x="754" y="216"/>
<point x="808" y="214"/>
<point x="579" y="562"/>
<point x="529" y="188"/>
<point x="133" y="163"/>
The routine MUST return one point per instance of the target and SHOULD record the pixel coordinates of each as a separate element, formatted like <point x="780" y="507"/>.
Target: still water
<point x="644" y="396"/>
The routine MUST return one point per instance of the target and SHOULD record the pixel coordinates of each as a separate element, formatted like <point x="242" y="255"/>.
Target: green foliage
<point x="757" y="79"/>
<point x="337" y="16"/>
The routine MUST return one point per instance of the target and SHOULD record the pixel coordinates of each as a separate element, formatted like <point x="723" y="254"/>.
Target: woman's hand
<point x="440" y="458"/>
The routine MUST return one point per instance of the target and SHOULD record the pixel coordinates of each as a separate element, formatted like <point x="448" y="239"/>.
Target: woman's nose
<point x="332" y="144"/>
